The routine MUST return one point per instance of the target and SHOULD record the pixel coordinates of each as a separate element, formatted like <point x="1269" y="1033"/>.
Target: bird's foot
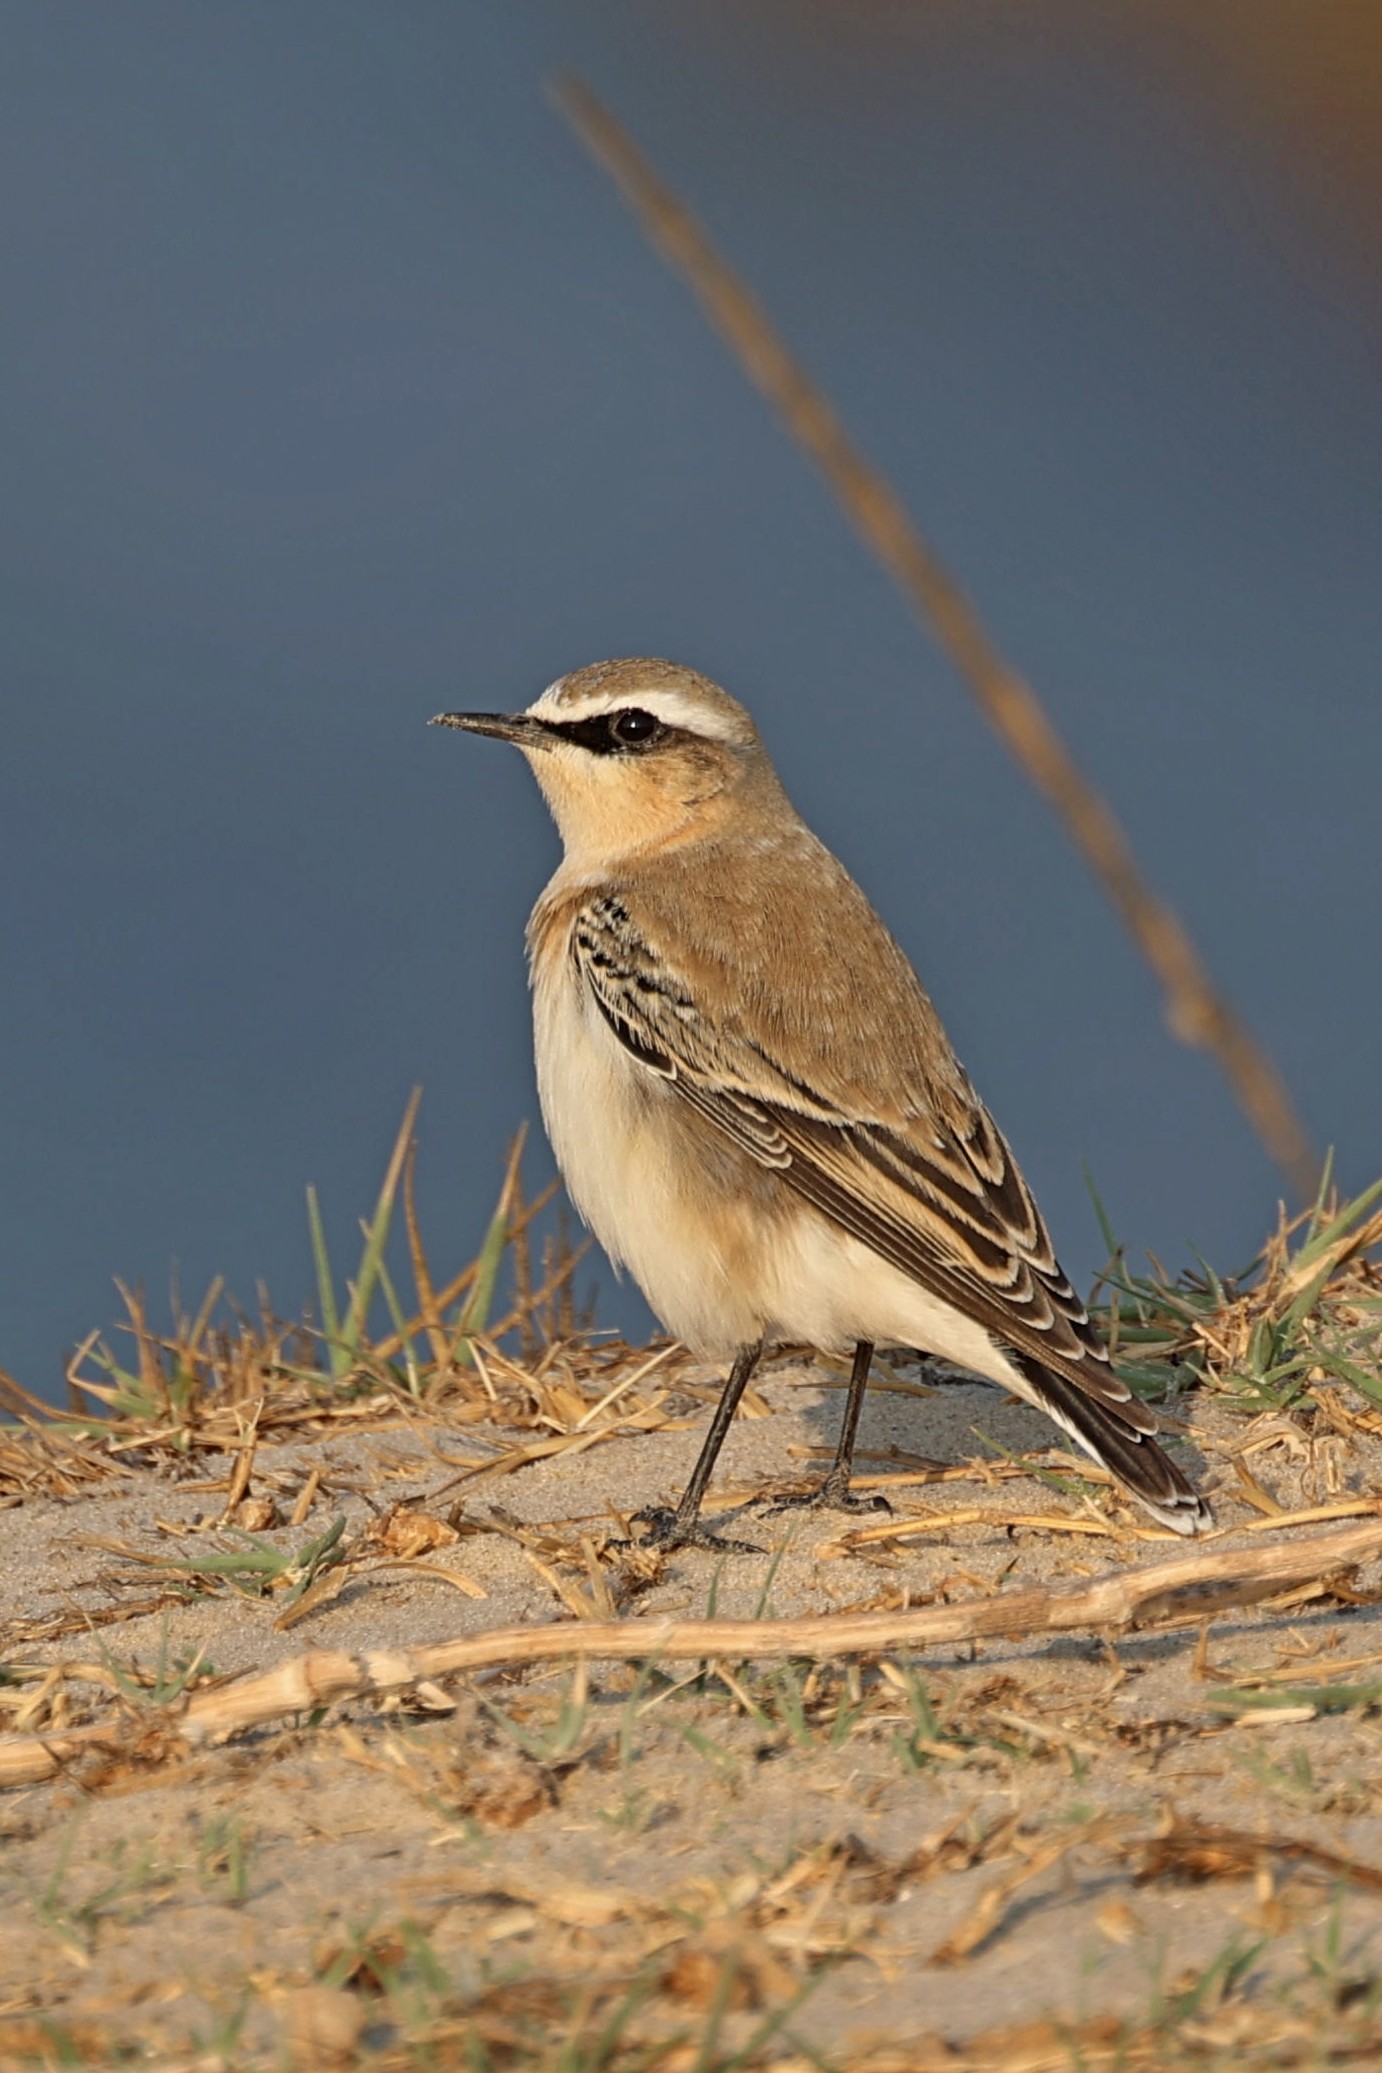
<point x="833" y="1495"/>
<point x="667" y="1529"/>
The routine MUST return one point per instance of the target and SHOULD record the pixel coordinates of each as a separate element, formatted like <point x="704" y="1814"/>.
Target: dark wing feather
<point x="944" y="1202"/>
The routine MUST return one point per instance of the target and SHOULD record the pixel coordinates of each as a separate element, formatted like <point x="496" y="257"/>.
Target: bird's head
<point x="634" y="755"/>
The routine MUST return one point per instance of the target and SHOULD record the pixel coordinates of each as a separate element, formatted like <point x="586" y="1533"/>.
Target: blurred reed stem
<point x="1196" y="1011"/>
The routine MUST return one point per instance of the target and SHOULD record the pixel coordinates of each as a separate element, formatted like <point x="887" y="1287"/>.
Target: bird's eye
<point x="633" y="726"/>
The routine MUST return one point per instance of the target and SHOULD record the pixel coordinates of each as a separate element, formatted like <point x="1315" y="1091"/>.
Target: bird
<point x="753" y="1102"/>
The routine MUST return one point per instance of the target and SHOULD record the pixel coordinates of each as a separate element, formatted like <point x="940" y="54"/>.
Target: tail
<point x="1133" y="1457"/>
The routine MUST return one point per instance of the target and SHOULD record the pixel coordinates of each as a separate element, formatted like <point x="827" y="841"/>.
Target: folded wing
<point x="938" y="1196"/>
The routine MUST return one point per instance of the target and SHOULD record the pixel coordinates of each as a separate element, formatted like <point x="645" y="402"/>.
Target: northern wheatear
<point x="751" y="1098"/>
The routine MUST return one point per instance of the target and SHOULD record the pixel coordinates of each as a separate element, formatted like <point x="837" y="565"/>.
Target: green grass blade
<point x="1352" y="1213"/>
<point x="376" y="1238"/>
<point x="326" y="1292"/>
<point x="1109" y="1235"/>
<point x="365" y="1282"/>
<point x="400" y="1325"/>
<point x="1368" y="1386"/>
<point x="1321" y="1194"/>
<point x="1325" y="1698"/>
<point x="760" y="1610"/>
<point x="478" y="1304"/>
<point x="1211" y="1280"/>
<point x="1305" y="1302"/>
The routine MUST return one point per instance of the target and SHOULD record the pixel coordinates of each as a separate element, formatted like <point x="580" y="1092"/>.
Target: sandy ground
<point x="316" y="1891"/>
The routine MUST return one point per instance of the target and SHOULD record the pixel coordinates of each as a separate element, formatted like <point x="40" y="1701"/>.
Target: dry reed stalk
<point x="442" y="1299"/>
<point x="1196" y="1011"/>
<point x="428" y="1308"/>
<point x="1193" y="1586"/>
<point x="559" y="1266"/>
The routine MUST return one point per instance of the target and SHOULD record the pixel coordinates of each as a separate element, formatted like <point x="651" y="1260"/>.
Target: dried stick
<point x="1196" y="1011"/>
<point x="1191" y="1586"/>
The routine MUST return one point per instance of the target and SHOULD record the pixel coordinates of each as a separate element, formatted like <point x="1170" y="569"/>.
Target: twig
<point x="1202" y="1850"/>
<point x="1193" y="1586"/>
<point x="1196" y="1011"/>
<point x="988" y="1912"/>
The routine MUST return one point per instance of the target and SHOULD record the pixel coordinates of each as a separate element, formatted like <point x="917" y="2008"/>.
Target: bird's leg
<point x="833" y="1494"/>
<point x="682" y="1528"/>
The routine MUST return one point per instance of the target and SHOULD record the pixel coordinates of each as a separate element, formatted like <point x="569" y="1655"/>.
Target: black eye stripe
<point x="599" y="734"/>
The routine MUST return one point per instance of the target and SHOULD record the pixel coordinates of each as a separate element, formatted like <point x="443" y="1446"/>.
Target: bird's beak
<point x="521" y="728"/>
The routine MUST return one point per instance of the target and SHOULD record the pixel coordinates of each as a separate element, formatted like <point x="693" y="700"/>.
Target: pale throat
<point x="602" y="821"/>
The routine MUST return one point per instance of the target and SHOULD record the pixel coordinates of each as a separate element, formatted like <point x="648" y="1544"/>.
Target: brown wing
<point x="935" y="1191"/>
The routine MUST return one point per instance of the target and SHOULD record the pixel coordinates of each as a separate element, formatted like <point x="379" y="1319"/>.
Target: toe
<point x="666" y="1531"/>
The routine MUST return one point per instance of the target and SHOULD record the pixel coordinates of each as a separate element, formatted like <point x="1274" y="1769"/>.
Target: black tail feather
<point x="1136" y="1460"/>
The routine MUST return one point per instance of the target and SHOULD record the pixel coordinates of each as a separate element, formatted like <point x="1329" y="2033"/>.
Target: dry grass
<point x="214" y="1385"/>
<point x="1040" y="1781"/>
<point x="1300" y="1328"/>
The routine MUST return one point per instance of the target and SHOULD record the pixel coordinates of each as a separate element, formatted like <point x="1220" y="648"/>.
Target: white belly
<point x="826" y="1289"/>
<point x="718" y="1265"/>
<point x="615" y="1140"/>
